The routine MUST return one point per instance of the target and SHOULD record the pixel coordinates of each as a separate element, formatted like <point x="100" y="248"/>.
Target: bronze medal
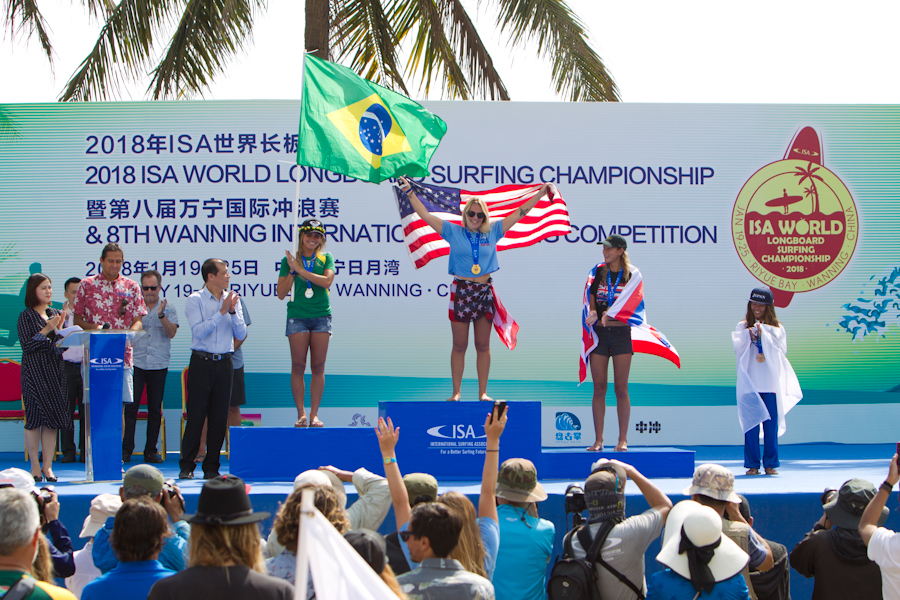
<point x="476" y="269"/>
<point x="760" y="358"/>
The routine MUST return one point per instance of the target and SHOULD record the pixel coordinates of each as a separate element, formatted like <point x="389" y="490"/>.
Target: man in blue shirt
<point x="138" y="535"/>
<point x="216" y="319"/>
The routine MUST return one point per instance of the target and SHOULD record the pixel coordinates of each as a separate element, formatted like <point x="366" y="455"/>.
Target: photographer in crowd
<point x="20" y="532"/>
<point x="138" y="535"/>
<point x="58" y="540"/>
<point x="620" y="571"/>
<point x="774" y="584"/>
<point x="103" y="507"/>
<point x="140" y="481"/>
<point x="883" y="544"/>
<point x="834" y="552"/>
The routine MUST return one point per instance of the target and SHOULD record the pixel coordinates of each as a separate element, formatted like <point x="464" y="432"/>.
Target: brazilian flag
<point x="352" y="126"/>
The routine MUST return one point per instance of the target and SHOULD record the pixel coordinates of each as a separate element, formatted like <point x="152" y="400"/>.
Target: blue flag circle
<point x="374" y="126"/>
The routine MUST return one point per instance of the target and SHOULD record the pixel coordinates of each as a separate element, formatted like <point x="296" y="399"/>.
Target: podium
<point x="102" y="371"/>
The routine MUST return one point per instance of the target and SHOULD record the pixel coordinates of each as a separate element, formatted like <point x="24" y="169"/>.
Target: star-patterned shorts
<point x="469" y="301"/>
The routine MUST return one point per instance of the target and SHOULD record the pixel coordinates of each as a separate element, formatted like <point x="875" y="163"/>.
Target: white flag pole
<point x="301" y="575"/>
<point x="295" y="233"/>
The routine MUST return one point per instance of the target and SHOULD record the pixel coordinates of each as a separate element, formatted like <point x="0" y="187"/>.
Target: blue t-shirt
<point x="461" y="263"/>
<point x="668" y="585"/>
<point x="526" y="548"/>
<point x="131" y="580"/>
<point x="490" y="538"/>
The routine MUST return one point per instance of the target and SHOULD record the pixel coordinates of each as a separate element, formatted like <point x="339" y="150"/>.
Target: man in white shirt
<point x="74" y="382"/>
<point x="883" y="544"/>
<point x="216" y="319"/>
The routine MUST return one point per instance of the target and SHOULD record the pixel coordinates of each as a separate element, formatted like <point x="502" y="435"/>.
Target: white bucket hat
<point x="702" y="526"/>
<point x="325" y="479"/>
<point x="103" y="507"/>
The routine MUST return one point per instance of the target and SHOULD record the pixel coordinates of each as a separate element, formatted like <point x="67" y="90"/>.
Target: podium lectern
<point x="103" y="375"/>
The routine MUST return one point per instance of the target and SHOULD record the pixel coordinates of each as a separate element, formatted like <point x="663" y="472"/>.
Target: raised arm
<point x="387" y="441"/>
<point x="513" y="217"/>
<point x="434" y="222"/>
<point x="868" y="524"/>
<point x="487" y="500"/>
<point x="654" y="496"/>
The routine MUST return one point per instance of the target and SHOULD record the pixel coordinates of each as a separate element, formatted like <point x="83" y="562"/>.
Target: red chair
<point x="11" y="406"/>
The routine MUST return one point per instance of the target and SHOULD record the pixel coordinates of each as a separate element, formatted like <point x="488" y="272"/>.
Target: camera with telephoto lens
<point x="828" y="495"/>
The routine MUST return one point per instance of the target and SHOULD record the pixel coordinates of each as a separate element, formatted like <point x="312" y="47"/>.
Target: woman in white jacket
<point x="767" y="387"/>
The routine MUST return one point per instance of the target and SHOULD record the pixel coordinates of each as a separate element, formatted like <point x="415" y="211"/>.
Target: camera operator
<point x="147" y="480"/>
<point x="833" y="552"/>
<point x="59" y="542"/>
<point x="883" y="544"/>
<point x="604" y="493"/>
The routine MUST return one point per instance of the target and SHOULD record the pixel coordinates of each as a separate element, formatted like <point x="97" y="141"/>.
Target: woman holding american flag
<point x="473" y="257"/>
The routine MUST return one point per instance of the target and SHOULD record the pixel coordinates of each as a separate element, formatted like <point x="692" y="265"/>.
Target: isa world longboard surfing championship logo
<point x="794" y="222"/>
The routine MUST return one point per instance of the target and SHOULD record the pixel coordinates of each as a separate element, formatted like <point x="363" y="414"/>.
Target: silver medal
<point x="309" y="293"/>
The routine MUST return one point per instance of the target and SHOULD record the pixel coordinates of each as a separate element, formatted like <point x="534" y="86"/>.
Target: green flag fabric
<point x="352" y="126"/>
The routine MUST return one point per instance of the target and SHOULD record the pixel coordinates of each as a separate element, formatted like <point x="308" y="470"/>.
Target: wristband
<point x="494" y="450"/>
<point x="293" y="273"/>
<point x="390" y="460"/>
<point x="886" y="486"/>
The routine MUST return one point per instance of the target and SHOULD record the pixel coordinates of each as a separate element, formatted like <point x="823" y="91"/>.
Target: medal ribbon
<point x="475" y="243"/>
<point x="610" y="288"/>
<point x="758" y="343"/>
<point x="309" y="267"/>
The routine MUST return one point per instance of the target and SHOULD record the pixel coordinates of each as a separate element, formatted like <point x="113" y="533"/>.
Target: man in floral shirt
<point x="110" y="298"/>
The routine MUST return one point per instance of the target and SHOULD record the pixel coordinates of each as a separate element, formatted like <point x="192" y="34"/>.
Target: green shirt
<point x="42" y="591"/>
<point x="301" y="307"/>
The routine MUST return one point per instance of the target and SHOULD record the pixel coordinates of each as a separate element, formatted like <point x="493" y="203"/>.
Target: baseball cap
<point x="370" y="545"/>
<point x="517" y="481"/>
<point x="103" y="507"/>
<point x="420" y="485"/>
<point x="614" y="241"/>
<point x="325" y="479"/>
<point x="714" y="481"/>
<point x="19" y="479"/>
<point x="147" y="476"/>
<point x="762" y="296"/>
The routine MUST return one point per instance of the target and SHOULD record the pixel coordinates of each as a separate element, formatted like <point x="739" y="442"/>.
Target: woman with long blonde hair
<point x="473" y="257"/>
<point x="614" y="339"/>
<point x="309" y="273"/>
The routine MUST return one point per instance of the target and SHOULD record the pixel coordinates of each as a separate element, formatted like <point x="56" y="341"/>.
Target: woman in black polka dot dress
<point x="43" y="375"/>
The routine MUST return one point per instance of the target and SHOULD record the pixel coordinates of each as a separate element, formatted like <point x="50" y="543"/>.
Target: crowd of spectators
<point x="141" y="544"/>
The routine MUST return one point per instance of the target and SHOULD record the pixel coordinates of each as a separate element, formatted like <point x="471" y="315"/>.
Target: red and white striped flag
<point x="549" y="217"/>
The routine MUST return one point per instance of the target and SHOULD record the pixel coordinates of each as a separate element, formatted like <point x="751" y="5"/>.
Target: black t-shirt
<point x="599" y="292"/>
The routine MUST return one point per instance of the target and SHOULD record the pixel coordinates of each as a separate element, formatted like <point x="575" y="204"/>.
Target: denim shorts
<point x="613" y="340"/>
<point x="314" y="325"/>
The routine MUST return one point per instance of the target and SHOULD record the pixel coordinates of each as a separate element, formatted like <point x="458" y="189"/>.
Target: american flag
<point x="549" y="217"/>
<point x="628" y="308"/>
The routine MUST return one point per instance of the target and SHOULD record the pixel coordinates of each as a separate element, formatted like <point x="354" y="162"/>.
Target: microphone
<point x="49" y="312"/>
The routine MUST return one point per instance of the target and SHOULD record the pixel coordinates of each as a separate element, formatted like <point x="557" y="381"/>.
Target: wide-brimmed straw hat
<point x="703" y="528"/>
<point x="224" y="501"/>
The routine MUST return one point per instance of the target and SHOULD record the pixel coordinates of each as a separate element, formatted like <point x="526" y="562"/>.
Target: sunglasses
<point x="149" y="288"/>
<point x="473" y="214"/>
<point x="122" y="304"/>
<point x="405" y="535"/>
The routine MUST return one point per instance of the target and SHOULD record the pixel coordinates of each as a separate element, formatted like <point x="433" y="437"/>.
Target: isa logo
<point x="568" y="428"/>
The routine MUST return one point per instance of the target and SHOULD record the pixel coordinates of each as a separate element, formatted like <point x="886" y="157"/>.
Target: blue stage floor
<point x="784" y="507"/>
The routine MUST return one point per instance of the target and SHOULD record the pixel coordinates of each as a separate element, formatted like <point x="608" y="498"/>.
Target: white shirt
<point x="884" y="550"/>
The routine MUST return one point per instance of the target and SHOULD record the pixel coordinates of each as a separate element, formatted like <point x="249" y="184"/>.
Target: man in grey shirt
<point x="151" y="364"/>
<point x="628" y="540"/>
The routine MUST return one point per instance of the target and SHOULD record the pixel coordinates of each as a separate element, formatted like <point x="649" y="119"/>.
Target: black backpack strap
<point x="20" y="589"/>
<point x="594" y="554"/>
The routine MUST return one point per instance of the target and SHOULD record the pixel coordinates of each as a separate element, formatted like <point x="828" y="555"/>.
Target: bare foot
<point x="597" y="447"/>
<point x="486" y="398"/>
<point x="454" y="398"/>
<point x="622" y="447"/>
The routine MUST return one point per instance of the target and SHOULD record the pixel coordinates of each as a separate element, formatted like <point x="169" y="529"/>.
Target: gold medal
<point x="476" y="269"/>
<point x="760" y="358"/>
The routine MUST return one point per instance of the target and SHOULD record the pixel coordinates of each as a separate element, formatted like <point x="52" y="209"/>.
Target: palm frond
<point x="431" y="49"/>
<point x="578" y="71"/>
<point x="482" y="75"/>
<point x="122" y="48"/>
<point x="23" y="16"/>
<point x="363" y="29"/>
<point x="9" y="129"/>
<point x="209" y="33"/>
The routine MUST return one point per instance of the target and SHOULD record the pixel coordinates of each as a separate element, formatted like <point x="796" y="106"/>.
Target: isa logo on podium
<point x="447" y="439"/>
